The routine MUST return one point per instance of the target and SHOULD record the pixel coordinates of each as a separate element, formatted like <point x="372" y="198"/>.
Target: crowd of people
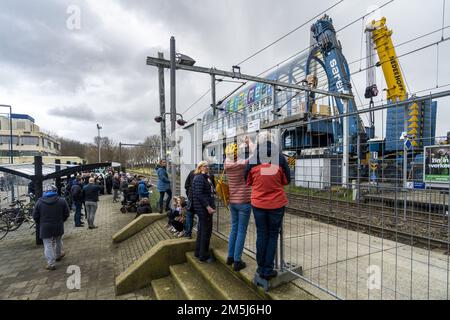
<point x="256" y="181"/>
<point x="83" y="190"/>
<point x="52" y="210"/>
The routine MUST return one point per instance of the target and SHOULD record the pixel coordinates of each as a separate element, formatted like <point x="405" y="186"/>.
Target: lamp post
<point x="173" y="109"/>
<point x="162" y="119"/>
<point x="174" y="59"/>
<point x="11" y="155"/>
<point x="99" y="143"/>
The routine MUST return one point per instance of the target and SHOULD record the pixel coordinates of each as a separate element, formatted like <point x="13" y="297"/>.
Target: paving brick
<point x="23" y="274"/>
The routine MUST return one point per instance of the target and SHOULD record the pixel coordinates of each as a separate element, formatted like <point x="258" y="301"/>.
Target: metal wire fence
<point x="373" y="226"/>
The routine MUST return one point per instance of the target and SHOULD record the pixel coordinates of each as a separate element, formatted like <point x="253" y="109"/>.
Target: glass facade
<point x="30" y="141"/>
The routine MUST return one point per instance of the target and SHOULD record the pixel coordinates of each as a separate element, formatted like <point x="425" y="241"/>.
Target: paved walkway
<point x="22" y="263"/>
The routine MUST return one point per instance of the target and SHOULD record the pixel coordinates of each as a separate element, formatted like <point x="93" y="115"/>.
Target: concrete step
<point x="224" y="282"/>
<point x="166" y="289"/>
<point x="130" y="250"/>
<point x="193" y="286"/>
<point x="288" y="291"/>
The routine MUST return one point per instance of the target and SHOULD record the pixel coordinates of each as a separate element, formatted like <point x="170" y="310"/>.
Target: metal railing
<point x="362" y="241"/>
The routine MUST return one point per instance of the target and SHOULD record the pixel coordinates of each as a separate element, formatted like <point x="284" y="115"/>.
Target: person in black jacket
<point x="189" y="223"/>
<point x="144" y="207"/>
<point x="50" y="213"/>
<point x="204" y="206"/>
<point x="77" y="199"/>
<point x="116" y="187"/>
<point x="90" y="196"/>
<point x="109" y="183"/>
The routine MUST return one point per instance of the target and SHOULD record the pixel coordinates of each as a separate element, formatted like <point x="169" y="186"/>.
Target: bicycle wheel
<point x="3" y="229"/>
<point x="14" y="220"/>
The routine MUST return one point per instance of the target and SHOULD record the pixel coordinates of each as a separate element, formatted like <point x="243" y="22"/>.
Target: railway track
<point x="363" y="209"/>
<point x="418" y="229"/>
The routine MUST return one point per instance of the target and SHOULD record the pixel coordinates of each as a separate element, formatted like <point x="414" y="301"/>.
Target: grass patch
<point x="336" y="193"/>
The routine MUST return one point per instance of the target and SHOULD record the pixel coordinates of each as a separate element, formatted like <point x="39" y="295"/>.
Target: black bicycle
<point x="19" y="211"/>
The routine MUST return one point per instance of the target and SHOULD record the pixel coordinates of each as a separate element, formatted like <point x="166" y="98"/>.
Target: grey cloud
<point x="37" y="48"/>
<point x="81" y="112"/>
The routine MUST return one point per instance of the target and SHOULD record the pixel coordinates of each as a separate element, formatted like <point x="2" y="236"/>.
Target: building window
<point x="49" y="144"/>
<point x="20" y="125"/>
<point x="6" y="153"/>
<point x="30" y="141"/>
<point x="5" y="139"/>
<point x="57" y="146"/>
<point x="30" y="153"/>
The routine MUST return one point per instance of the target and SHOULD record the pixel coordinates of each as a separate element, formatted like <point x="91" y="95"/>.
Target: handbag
<point x="222" y="190"/>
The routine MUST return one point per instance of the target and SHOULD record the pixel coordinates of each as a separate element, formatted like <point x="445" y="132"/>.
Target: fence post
<point x="405" y="204"/>
<point x="281" y="248"/>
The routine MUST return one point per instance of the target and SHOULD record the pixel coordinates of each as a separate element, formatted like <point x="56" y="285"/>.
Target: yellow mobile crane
<point x="380" y="37"/>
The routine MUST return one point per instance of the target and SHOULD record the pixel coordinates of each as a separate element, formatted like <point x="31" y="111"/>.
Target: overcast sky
<point x="70" y="78"/>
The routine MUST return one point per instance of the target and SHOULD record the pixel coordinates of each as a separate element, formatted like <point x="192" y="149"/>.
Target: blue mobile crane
<point x="327" y="52"/>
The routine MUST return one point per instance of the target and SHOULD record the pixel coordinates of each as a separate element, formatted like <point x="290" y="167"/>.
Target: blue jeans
<point x="78" y="205"/>
<point x="189" y="224"/>
<point x="52" y="249"/>
<point x="268" y="223"/>
<point x="240" y="215"/>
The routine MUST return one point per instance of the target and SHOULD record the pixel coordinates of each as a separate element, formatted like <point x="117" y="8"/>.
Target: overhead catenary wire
<point x="341" y="29"/>
<point x="403" y="43"/>
<point x="400" y="56"/>
<point x="290" y="32"/>
<point x="196" y="101"/>
<point x="265" y="48"/>
<point x="407" y="53"/>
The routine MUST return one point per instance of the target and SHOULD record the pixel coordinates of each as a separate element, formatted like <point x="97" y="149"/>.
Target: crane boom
<point x="396" y="88"/>
<point x="381" y="36"/>
<point x="338" y="73"/>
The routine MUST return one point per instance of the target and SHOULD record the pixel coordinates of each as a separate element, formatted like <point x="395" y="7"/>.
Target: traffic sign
<point x="408" y="144"/>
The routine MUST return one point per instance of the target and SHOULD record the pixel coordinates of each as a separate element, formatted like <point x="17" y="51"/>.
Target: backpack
<point x="222" y="190"/>
<point x="76" y="192"/>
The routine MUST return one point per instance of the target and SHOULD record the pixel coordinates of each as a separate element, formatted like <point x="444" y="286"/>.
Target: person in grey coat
<point x="50" y="213"/>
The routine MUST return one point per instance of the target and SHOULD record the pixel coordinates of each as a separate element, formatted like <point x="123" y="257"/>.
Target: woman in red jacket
<point x="267" y="173"/>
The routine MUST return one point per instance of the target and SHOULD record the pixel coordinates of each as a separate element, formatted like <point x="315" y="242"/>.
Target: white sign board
<point x="254" y="125"/>
<point x="215" y="137"/>
<point x="231" y="132"/>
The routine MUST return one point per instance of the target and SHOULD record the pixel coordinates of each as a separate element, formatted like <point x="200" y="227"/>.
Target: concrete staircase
<point x="147" y="257"/>
<point x="194" y="280"/>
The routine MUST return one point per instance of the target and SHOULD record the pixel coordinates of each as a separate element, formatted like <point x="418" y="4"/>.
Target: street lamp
<point x="99" y="143"/>
<point x="161" y="118"/>
<point x="11" y="155"/>
<point x="184" y="59"/>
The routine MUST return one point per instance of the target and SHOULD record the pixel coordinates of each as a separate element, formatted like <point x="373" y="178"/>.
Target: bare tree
<point x="145" y="155"/>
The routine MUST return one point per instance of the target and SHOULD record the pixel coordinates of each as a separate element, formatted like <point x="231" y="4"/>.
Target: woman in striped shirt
<point x="240" y="204"/>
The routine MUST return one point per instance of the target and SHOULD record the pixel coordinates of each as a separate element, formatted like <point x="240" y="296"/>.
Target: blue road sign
<point x="419" y="185"/>
<point x="408" y="144"/>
